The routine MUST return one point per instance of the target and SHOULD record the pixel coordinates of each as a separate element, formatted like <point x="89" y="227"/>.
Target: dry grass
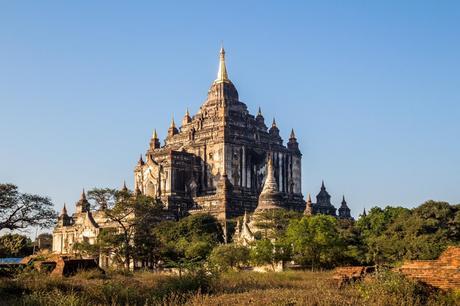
<point x="243" y="288"/>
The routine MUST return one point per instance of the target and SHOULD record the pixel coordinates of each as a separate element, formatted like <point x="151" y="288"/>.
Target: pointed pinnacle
<point x="187" y="114"/>
<point x="64" y="210"/>
<point x="222" y="72"/>
<point x="259" y="113"/>
<point x="124" y="186"/>
<point x="274" y="122"/>
<point x="292" y="134"/>
<point x="155" y="135"/>
<point x="309" y="198"/>
<point x="322" y="185"/>
<point x="173" y="124"/>
<point x="83" y="194"/>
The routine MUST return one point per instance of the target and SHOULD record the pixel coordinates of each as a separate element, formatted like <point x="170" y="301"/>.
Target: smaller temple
<point x="324" y="206"/>
<point x="243" y="233"/>
<point x="270" y="197"/>
<point x="83" y="226"/>
<point x="344" y="210"/>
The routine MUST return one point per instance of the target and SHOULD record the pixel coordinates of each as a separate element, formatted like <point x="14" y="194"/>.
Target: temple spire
<point x="64" y="211"/>
<point x="308" y="207"/>
<point x="270" y="185"/>
<point x="173" y="124"/>
<point x="222" y="72"/>
<point x="187" y="119"/>
<point x="141" y="161"/>
<point x="274" y="122"/>
<point x="259" y="113"/>
<point x="155" y="135"/>
<point x="292" y="134"/>
<point x="83" y="194"/>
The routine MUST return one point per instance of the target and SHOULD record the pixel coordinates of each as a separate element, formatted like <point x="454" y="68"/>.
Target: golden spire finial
<point x="222" y="72"/>
<point x="155" y="135"/>
<point x="173" y="124"/>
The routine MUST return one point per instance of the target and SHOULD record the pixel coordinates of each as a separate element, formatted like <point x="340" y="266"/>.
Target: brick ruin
<point x="443" y="273"/>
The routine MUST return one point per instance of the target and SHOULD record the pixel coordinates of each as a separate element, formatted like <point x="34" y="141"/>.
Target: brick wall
<point x="443" y="272"/>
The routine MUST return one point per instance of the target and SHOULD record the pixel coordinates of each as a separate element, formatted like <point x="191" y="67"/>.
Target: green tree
<point x="133" y="217"/>
<point x="394" y="234"/>
<point x="383" y="246"/>
<point x="354" y="252"/>
<point x="262" y="253"/>
<point x="315" y="241"/>
<point x="15" y="245"/>
<point x="229" y="256"/>
<point x="22" y="210"/>
<point x="188" y="242"/>
<point x="102" y="198"/>
<point x="272" y="224"/>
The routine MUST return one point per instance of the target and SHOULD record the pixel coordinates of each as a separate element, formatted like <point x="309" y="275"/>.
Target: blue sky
<point x="371" y="89"/>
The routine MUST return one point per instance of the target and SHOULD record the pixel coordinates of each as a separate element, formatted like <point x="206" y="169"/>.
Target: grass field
<point x="237" y="288"/>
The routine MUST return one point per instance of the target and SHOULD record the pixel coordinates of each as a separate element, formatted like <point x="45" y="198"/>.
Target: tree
<point x="394" y="234"/>
<point x="354" y="252"/>
<point x="263" y="253"/>
<point x="315" y="241"/>
<point x="272" y="224"/>
<point x="15" y="245"/>
<point x="132" y="218"/>
<point x="229" y="256"/>
<point x="21" y="210"/>
<point x="187" y="243"/>
<point x="103" y="198"/>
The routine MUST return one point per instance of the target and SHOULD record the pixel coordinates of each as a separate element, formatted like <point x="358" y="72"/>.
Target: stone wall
<point x="443" y="272"/>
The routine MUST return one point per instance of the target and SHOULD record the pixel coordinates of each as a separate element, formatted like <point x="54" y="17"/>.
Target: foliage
<point x="132" y="217"/>
<point x="15" y="245"/>
<point x="354" y="252"/>
<point x="272" y="224"/>
<point x="229" y="256"/>
<point x="21" y="210"/>
<point x="393" y="234"/>
<point x="315" y="241"/>
<point x="389" y="288"/>
<point x="262" y="253"/>
<point x="102" y="198"/>
<point x="188" y="242"/>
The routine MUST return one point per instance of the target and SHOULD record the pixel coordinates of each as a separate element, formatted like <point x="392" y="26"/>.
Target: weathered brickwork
<point x="442" y="273"/>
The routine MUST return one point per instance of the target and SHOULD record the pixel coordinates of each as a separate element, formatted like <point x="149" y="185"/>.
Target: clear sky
<point x="370" y="87"/>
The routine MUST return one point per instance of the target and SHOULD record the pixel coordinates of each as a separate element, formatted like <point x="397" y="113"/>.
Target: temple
<point x="216" y="160"/>
<point x="222" y="161"/>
